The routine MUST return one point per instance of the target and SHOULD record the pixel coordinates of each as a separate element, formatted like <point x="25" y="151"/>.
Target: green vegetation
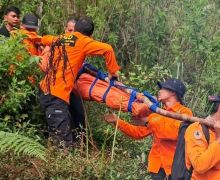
<point x="152" y="39"/>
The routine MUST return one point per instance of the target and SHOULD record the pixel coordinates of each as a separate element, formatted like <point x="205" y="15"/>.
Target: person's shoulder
<point x="81" y="38"/>
<point x="80" y="35"/>
<point x="194" y="130"/>
<point x="184" y="110"/>
<point x="4" y="31"/>
<point x="192" y="126"/>
<point x="31" y="34"/>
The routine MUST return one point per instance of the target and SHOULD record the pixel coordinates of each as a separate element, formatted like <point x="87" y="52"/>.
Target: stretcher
<point x="94" y="88"/>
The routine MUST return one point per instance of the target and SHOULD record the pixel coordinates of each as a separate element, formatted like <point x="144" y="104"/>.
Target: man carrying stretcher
<point x="164" y="130"/>
<point x="67" y="55"/>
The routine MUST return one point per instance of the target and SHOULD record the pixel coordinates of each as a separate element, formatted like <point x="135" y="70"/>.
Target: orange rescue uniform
<point x="83" y="46"/>
<point x="164" y="131"/>
<point x="203" y="157"/>
<point x="31" y="41"/>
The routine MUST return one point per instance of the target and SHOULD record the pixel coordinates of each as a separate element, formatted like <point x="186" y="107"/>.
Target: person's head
<point x="30" y="22"/>
<point x="215" y="100"/>
<point x="12" y="15"/>
<point x="70" y="24"/>
<point x="171" y="88"/>
<point x="85" y="26"/>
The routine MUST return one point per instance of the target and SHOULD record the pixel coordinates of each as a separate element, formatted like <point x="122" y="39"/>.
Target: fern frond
<point x="21" y="144"/>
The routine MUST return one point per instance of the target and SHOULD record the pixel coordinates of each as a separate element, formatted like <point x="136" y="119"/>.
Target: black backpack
<point x="179" y="170"/>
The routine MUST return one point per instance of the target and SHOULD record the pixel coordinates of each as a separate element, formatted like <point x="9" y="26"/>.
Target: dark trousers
<point x="60" y="120"/>
<point x="78" y="115"/>
<point x="161" y="175"/>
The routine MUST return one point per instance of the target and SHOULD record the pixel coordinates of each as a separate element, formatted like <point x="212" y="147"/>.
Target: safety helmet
<point x="30" y="21"/>
<point x="174" y="85"/>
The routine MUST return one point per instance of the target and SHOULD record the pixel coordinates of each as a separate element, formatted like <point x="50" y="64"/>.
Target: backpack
<point x="179" y="170"/>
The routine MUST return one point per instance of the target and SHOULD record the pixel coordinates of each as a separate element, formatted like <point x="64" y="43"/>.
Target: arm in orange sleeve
<point x="201" y="157"/>
<point x="136" y="132"/>
<point x="167" y="128"/>
<point x="94" y="48"/>
<point x="47" y="40"/>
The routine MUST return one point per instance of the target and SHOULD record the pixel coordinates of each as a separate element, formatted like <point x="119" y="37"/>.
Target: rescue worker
<point x="29" y="27"/>
<point x="68" y="53"/>
<point x="202" y="156"/>
<point x="32" y="40"/>
<point x="76" y="104"/>
<point x="164" y="130"/>
<point x="11" y="19"/>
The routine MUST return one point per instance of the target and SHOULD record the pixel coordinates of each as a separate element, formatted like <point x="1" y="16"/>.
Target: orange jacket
<point x="31" y="41"/>
<point x="164" y="131"/>
<point x="203" y="157"/>
<point x="47" y="40"/>
<point x="83" y="46"/>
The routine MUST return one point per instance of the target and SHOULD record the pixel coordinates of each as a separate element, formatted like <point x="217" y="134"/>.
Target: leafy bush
<point x="18" y="76"/>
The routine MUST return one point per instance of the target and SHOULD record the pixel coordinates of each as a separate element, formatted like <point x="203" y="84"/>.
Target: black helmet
<point x="174" y="85"/>
<point x="30" y="21"/>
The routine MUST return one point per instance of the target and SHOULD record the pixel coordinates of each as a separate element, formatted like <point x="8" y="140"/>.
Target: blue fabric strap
<point x="91" y="87"/>
<point x="131" y="100"/>
<point x="89" y="66"/>
<point x="101" y="75"/>
<point x="108" y="89"/>
<point x="151" y="98"/>
<point x="153" y="107"/>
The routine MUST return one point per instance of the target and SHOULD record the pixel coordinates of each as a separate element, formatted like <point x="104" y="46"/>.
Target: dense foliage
<point x="153" y="39"/>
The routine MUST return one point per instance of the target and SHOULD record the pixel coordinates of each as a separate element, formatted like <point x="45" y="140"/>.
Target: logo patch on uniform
<point x="69" y="40"/>
<point x="197" y="134"/>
